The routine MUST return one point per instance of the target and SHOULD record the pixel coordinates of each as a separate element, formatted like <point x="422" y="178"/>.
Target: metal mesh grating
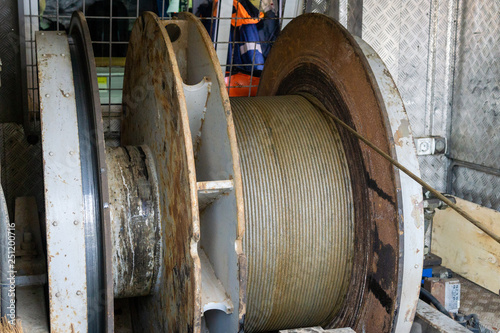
<point x="110" y="23"/>
<point x="21" y="165"/>
<point x="442" y="54"/>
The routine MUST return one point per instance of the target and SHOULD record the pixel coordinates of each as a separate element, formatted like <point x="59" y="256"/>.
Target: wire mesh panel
<point x="242" y="30"/>
<point x="432" y="49"/>
<point x="21" y="166"/>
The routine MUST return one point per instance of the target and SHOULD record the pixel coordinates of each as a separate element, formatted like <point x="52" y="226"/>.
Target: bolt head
<point x="440" y="146"/>
<point x="54" y="223"/>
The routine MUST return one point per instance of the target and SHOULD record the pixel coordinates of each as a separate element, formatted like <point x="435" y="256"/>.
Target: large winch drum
<point x="245" y="214"/>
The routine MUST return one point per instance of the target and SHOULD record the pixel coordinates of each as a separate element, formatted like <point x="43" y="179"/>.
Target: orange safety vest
<point x="241" y="16"/>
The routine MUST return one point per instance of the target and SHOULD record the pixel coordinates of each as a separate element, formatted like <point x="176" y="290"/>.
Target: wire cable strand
<point x="313" y="100"/>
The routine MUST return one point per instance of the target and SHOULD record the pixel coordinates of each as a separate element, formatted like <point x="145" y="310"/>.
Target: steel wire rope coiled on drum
<point x="295" y="221"/>
<point x="298" y="205"/>
<point x="259" y="213"/>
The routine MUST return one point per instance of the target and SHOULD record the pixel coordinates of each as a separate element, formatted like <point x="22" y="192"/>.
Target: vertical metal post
<point x="292" y="9"/>
<point x="224" y="27"/>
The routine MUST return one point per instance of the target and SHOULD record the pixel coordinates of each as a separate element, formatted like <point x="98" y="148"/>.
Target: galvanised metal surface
<point x="416" y="40"/>
<point x="484" y="303"/>
<point x="133" y="206"/>
<point x="476" y="186"/>
<point x="350" y="14"/>
<point x="299" y="237"/>
<point x="400" y="33"/>
<point x="410" y="192"/>
<point x="443" y="55"/>
<point x="475" y="135"/>
<point x="64" y="202"/>
<point x="412" y="39"/>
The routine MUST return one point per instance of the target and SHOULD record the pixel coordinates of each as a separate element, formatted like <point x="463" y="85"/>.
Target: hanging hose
<point x="429" y="298"/>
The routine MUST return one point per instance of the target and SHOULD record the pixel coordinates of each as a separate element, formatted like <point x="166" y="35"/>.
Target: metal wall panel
<point x="475" y="120"/>
<point x="475" y="130"/>
<point x="399" y="32"/>
<point x="444" y="56"/>
<point x="476" y="186"/>
<point x="441" y="64"/>
<point x="414" y="38"/>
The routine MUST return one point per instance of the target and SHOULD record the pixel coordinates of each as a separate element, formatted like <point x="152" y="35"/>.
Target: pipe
<point x="429" y="298"/>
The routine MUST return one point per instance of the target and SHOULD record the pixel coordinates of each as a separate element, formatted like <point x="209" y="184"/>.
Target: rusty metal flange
<point x="175" y="102"/>
<point x="172" y="98"/>
<point x="409" y="191"/>
<point x="332" y="67"/>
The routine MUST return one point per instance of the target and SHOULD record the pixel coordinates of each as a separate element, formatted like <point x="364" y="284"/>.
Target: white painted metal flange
<point x="176" y="103"/>
<point x="63" y="185"/>
<point x="411" y="249"/>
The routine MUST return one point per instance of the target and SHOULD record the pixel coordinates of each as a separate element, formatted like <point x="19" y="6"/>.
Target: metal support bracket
<point x="431" y="145"/>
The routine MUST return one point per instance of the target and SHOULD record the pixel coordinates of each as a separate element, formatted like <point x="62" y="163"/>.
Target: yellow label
<point x="102" y="82"/>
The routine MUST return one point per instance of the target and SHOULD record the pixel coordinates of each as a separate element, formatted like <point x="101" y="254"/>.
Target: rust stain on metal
<point x="335" y="72"/>
<point x="134" y="220"/>
<point x="154" y="116"/>
<point x="402" y="132"/>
